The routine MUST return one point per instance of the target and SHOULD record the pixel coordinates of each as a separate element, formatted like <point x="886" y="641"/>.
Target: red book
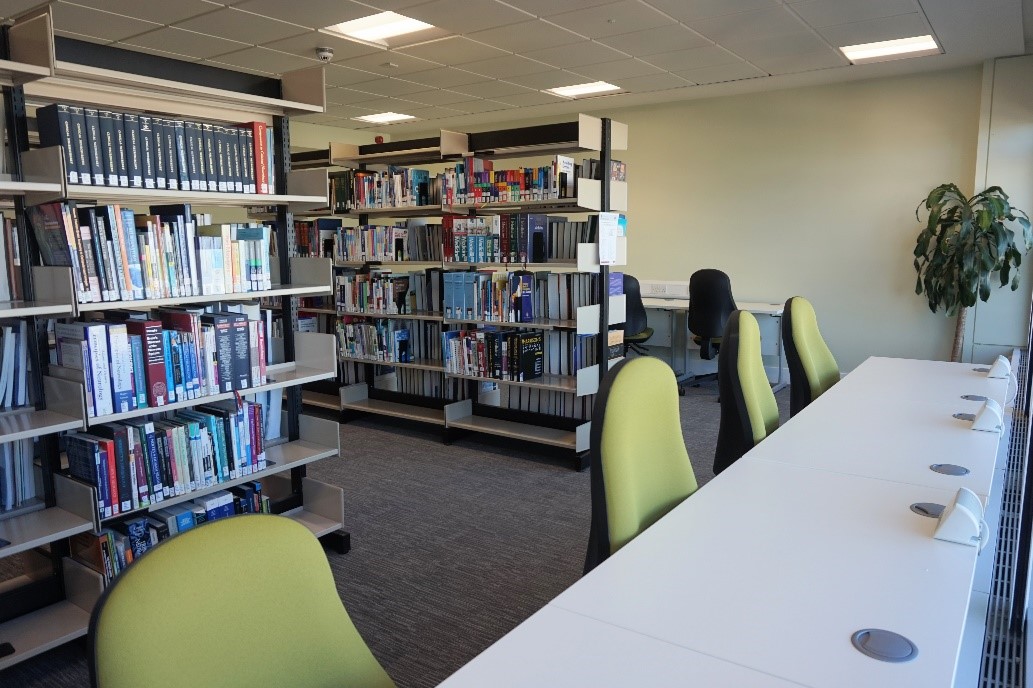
<point x="108" y="447"/>
<point x="261" y="156"/>
<point x="154" y="359"/>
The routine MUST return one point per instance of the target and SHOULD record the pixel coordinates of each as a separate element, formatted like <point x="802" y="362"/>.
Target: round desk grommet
<point x="973" y="397"/>
<point x="949" y="469"/>
<point x="927" y="509"/>
<point x="964" y="416"/>
<point x="886" y="646"/>
<point x="981" y="370"/>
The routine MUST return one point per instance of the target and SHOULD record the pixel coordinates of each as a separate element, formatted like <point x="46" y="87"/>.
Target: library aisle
<point x="448" y="556"/>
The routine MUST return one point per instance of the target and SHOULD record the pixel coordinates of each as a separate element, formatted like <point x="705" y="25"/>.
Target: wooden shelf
<point x="43" y="630"/>
<point x="437" y="317"/>
<point x="27" y="423"/>
<point x="406" y="211"/>
<point x="327" y="401"/>
<point x="421" y="414"/>
<point x="9" y="189"/>
<point x="519" y="431"/>
<point x="434" y="366"/>
<point x="34" y="529"/>
<point x="320" y="311"/>
<point x="536" y="324"/>
<point x="552" y="383"/>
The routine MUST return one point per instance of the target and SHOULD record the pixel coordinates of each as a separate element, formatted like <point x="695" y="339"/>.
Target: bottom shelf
<point x="327" y="401"/>
<point x="319" y="525"/>
<point x="532" y="433"/>
<point x="42" y="630"/>
<point x="396" y="410"/>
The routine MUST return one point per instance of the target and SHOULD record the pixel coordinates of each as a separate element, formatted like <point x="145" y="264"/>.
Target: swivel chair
<point x="640" y="468"/>
<point x="812" y="367"/>
<point x="710" y="304"/>
<point x="636" y="331"/>
<point x="174" y="617"/>
<point x="749" y="412"/>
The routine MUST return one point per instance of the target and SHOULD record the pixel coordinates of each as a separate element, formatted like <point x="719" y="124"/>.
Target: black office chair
<point x="710" y="304"/>
<point x="636" y="331"/>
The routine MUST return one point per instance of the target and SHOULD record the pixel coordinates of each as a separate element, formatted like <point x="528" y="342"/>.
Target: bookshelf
<point x="476" y="411"/>
<point x="51" y="603"/>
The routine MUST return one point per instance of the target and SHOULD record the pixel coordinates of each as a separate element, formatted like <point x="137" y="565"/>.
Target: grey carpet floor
<point x="453" y="546"/>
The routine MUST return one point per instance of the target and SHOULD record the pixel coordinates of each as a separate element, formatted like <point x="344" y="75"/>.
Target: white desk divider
<point x="962" y="521"/>
<point x="1000" y="369"/>
<point x="990" y="417"/>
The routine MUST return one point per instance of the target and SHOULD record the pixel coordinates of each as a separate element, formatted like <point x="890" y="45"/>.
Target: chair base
<point x="691" y="380"/>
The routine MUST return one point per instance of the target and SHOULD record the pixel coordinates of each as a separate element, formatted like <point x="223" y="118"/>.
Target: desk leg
<point x="780" y="384"/>
<point x="680" y="348"/>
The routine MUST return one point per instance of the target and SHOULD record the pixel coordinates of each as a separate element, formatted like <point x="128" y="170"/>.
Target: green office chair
<point x="812" y="367"/>
<point x="749" y="412"/>
<point x="235" y="603"/>
<point x="640" y="468"/>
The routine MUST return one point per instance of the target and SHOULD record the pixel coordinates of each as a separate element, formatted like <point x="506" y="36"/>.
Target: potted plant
<point x="965" y="241"/>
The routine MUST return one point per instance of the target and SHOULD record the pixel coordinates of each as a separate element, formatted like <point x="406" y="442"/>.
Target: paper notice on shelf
<point x="609" y="229"/>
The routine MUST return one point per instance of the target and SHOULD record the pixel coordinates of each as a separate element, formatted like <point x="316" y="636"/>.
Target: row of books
<point x="424" y="383"/>
<point x="139" y="463"/>
<point x="475" y="181"/>
<point x="111" y="550"/>
<point x="389" y="341"/>
<point x="14" y="365"/>
<point x="10" y="260"/>
<point x="545" y="401"/>
<point x="518" y="296"/>
<point x="17" y="477"/>
<point x="517" y="356"/>
<point x="137" y="151"/>
<point x="181" y="354"/>
<point x="118" y="256"/>
<point x="403" y="241"/>
<point x="395" y="187"/>
<point x="506" y="238"/>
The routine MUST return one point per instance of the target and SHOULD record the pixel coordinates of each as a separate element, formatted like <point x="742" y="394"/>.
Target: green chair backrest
<point x="807" y="354"/>
<point x="638" y="453"/>
<point x="241" y="602"/>
<point x="749" y="412"/>
<point x="761" y="406"/>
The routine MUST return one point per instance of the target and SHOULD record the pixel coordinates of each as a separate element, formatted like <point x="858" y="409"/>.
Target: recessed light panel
<point x="915" y="46"/>
<point x="384" y="118"/>
<point x="578" y="90"/>
<point x="378" y="28"/>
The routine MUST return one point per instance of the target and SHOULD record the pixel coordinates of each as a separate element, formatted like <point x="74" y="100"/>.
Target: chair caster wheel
<point x="681" y="391"/>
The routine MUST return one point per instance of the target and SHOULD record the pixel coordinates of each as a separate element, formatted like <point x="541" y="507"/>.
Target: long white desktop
<point x="763" y="575"/>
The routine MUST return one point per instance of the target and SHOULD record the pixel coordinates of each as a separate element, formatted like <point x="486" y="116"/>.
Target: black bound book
<point x="54" y="123"/>
<point x="131" y="128"/>
<point x="222" y="170"/>
<point x="532" y="355"/>
<point x="195" y="172"/>
<point x="224" y="331"/>
<point x="109" y="144"/>
<point x="147" y="152"/>
<point x="241" y="367"/>
<point x="210" y="165"/>
<point x="182" y="165"/>
<point x="171" y="156"/>
<point x="93" y="141"/>
<point x="120" y="149"/>
<point x="160" y="158"/>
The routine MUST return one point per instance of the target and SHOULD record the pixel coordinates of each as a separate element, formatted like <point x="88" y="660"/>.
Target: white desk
<point x="774" y="564"/>
<point x="677" y="311"/>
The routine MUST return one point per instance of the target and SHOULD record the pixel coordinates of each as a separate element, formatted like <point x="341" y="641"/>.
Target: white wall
<point x="1005" y="160"/>
<point x="806" y="192"/>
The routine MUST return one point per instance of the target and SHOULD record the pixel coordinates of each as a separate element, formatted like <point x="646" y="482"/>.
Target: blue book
<point x="139" y="373"/>
<point x="522" y="290"/>
<point x="133" y="253"/>
<point x="470" y="309"/>
<point x="186" y="361"/>
<point x="166" y="345"/>
<point x="175" y="364"/>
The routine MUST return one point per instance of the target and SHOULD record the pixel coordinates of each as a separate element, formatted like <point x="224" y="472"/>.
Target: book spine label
<point x="211" y="169"/>
<point x="131" y="126"/>
<point x="147" y="152"/>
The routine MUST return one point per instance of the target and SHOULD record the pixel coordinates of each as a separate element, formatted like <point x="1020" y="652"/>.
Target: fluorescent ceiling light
<point x="583" y="89"/>
<point x="377" y="27"/>
<point x="916" y="46"/>
<point x="384" y="118"/>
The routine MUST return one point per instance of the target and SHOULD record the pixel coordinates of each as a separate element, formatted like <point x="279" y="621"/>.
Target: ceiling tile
<point x="727" y="72"/>
<point x="442" y="97"/>
<point x="391" y="5"/>
<point x="749" y="26"/>
<point x="315" y="14"/>
<point x="187" y="42"/>
<point x="553" y="79"/>
<point x="390" y="105"/>
<point x="242" y="26"/>
<point x="621" y="69"/>
<point x="305" y="45"/>
<point x="533" y="98"/>
<point x="482" y="105"/>
<point x="389" y="63"/>
<point x="873" y="30"/>
<point x="453" y="50"/>
<point x="819" y="13"/>
<point x="349" y="96"/>
<point x="611" y="19"/>
<point x="103" y="25"/>
<point x="391" y="87"/>
<point x="526" y="37"/>
<point x="506" y="67"/>
<point x="337" y="75"/>
<point x="577" y="54"/>
<point x="446" y="77"/>
<point x="265" y="60"/>
<point x="704" y="9"/>
<point x="81" y="37"/>
<point x="777" y="46"/>
<point x="155" y="51"/>
<point x="491" y="89"/>
<point x="807" y="62"/>
<point x="459" y="16"/>
<point x="160" y="12"/>
<point x="433" y="113"/>
<point x="655" y="82"/>
<point x="348" y="111"/>
<point x="547" y="8"/>
<point x="657" y="40"/>
<point x="693" y="58"/>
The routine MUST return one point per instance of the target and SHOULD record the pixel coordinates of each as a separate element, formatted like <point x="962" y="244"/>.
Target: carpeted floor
<point x="453" y="546"/>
